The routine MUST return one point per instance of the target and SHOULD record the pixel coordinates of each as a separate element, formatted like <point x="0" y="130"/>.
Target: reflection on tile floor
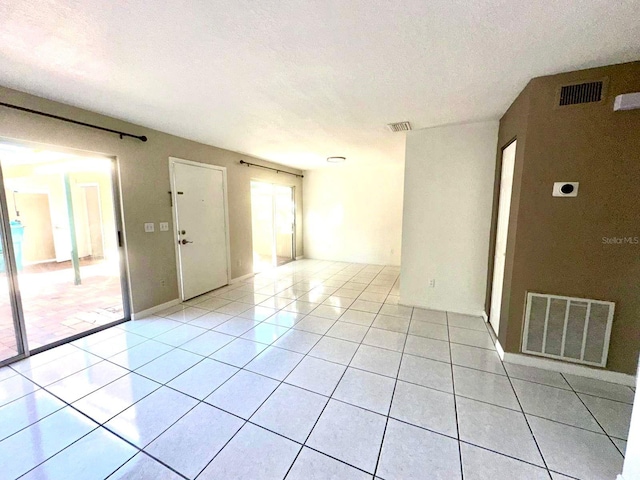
<point x="310" y="370"/>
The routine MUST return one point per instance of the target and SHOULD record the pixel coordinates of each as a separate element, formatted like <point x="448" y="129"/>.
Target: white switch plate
<point x="149" y="227"/>
<point x="164" y="226"/>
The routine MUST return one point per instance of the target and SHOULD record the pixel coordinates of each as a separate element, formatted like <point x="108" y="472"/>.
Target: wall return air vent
<point x="589" y="92"/>
<point x="566" y="328"/>
<point x="399" y="126"/>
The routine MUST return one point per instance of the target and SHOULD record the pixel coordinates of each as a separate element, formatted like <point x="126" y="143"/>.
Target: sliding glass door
<point x="11" y="328"/>
<point x="65" y="258"/>
<point x="273" y="223"/>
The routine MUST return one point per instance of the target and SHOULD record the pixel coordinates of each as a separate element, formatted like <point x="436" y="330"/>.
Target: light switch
<point x="164" y="226"/>
<point x="149" y="227"/>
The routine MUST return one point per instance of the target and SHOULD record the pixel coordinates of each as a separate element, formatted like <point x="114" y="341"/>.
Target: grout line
<point x="594" y="417"/>
<point x="455" y="400"/>
<point x="535" y="440"/>
<point x="301" y="279"/>
<point x="395" y="384"/>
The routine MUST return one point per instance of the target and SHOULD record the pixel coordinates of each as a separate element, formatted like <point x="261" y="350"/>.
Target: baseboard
<point x="240" y="279"/>
<point x="474" y="313"/>
<point x="150" y="311"/>
<point x="485" y="317"/>
<point x="300" y="257"/>
<point x="566" y="367"/>
<point x="500" y="350"/>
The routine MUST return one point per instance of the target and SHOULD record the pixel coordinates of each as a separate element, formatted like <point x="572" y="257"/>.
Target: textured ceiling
<point x="297" y="81"/>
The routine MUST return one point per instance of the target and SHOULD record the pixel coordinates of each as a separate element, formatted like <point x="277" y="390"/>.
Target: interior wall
<point x="560" y="245"/>
<point x="35" y="216"/>
<point x="48" y="179"/>
<point x="143" y="169"/>
<point x="354" y="213"/>
<point x="449" y="176"/>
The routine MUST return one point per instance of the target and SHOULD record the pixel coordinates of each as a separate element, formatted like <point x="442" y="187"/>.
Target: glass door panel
<point x="10" y="335"/>
<point x="63" y="222"/>
<point x="284" y="224"/>
<point x="262" y="226"/>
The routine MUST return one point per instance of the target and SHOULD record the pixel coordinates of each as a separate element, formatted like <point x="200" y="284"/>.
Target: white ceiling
<point x="297" y="81"/>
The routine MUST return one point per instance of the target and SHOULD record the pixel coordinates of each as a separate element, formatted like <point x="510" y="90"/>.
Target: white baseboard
<point x="485" y="317"/>
<point x="566" y="367"/>
<point x="474" y="313"/>
<point x="239" y="279"/>
<point x="300" y="257"/>
<point x="150" y="311"/>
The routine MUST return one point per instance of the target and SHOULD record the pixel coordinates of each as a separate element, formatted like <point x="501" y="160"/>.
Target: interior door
<point x="504" y="207"/>
<point x="199" y="197"/>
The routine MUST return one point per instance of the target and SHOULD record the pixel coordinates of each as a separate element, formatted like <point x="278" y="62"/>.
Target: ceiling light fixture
<point x="336" y="159"/>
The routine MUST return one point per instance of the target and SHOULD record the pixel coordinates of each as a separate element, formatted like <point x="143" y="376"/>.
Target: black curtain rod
<point x="142" y="138"/>
<point x="242" y="162"/>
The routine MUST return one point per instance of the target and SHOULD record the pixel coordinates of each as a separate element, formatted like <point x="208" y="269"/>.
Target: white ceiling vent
<point x="399" y="126"/>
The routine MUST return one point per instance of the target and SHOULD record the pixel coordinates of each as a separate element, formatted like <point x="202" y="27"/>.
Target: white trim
<point x="570" y="368"/>
<point x="174" y="201"/>
<point x="499" y="349"/>
<point x="150" y="311"/>
<point x="300" y="257"/>
<point x="474" y="313"/>
<point x="239" y="279"/>
<point x="485" y="317"/>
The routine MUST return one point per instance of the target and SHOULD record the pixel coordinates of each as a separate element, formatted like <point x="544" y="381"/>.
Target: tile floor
<point x="309" y="371"/>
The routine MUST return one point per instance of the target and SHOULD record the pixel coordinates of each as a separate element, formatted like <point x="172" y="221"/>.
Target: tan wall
<point x="35" y="216"/>
<point x="144" y="182"/>
<point x="556" y="244"/>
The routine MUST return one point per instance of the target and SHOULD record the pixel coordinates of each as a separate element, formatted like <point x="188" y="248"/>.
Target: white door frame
<point x="496" y="300"/>
<point x="174" y="206"/>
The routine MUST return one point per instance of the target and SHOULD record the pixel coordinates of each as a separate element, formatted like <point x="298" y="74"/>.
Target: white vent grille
<point x="566" y="328"/>
<point x="399" y="127"/>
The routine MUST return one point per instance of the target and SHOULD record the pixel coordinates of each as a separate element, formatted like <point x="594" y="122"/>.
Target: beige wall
<point x="144" y="183"/>
<point x="447" y="216"/>
<point x="353" y="213"/>
<point x="556" y="244"/>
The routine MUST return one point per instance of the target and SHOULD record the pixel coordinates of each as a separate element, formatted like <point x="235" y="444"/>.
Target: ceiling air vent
<point x="581" y="93"/>
<point x="399" y="127"/>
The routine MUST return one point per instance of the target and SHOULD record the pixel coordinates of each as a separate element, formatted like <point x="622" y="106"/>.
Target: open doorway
<point x="273" y="225"/>
<point x="61" y="249"/>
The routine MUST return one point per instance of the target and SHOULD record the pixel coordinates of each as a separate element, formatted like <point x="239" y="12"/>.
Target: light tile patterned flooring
<point x="309" y="371"/>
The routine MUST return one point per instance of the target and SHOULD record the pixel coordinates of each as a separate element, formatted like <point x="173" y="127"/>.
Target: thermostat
<point x="565" y="189"/>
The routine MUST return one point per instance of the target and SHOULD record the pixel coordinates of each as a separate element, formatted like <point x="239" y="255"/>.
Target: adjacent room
<point x="319" y="240"/>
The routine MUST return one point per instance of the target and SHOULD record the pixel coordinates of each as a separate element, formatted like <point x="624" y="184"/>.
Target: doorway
<point x="61" y="257"/>
<point x="273" y="225"/>
<point x="502" y="231"/>
<point x="199" y="197"/>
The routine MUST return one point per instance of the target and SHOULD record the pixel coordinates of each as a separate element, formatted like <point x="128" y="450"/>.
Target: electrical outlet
<point x="432" y="283"/>
<point x="164" y="226"/>
<point x="163" y="283"/>
<point x="149" y="227"/>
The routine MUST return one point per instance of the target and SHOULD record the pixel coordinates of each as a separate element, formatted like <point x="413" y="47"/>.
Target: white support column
<point x="631" y="468"/>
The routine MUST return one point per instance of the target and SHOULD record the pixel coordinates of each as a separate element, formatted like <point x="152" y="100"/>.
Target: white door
<point x="504" y="206"/>
<point x="200" y="218"/>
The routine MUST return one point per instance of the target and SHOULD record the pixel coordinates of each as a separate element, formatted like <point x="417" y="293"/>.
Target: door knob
<point x="184" y="241"/>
